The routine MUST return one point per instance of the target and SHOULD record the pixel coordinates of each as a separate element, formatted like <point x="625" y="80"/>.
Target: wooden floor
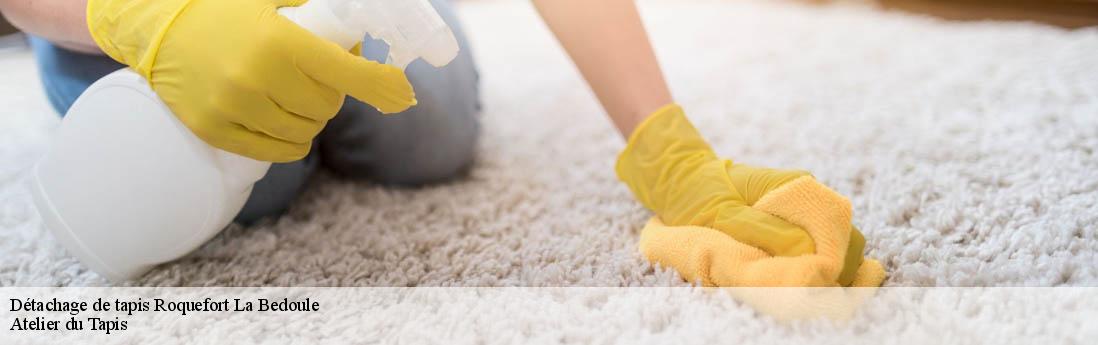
<point x="1065" y="13"/>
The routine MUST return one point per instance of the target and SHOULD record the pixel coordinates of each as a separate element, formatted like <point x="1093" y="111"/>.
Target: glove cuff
<point x="130" y="31"/>
<point x="660" y="144"/>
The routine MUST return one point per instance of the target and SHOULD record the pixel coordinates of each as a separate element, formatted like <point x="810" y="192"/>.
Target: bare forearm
<point x="607" y="41"/>
<point x="59" y="21"/>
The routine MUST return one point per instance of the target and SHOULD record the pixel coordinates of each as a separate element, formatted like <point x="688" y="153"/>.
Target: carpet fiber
<point x="970" y="152"/>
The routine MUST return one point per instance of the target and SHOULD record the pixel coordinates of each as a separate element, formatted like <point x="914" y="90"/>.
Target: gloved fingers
<point x="357" y="49"/>
<point x="765" y="231"/>
<point x="690" y="192"/>
<point x="698" y="182"/>
<point x="853" y="259"/>
<point x="282" y="124"/>
<point x="305" y="97"/>
<point x="288" y="3"/>
<point x="241" y="140"/>
<point x="754" y="182"/>
<point x="383" y="86"/>
<point x="388" y="90"/>
<point x="258" y="113"/>
<point x="779" y="238"/>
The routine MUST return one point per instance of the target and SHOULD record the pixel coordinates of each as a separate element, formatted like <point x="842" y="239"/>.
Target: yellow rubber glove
<point x="672" y="170"/>
<point x="239" y="75"/>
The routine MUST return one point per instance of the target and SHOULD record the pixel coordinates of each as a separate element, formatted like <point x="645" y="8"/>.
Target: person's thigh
<point x="66" y="74"/>
<point x="431" y="142"/>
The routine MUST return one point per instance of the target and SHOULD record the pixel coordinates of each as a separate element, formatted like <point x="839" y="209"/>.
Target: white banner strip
<point x="547" y="315"/>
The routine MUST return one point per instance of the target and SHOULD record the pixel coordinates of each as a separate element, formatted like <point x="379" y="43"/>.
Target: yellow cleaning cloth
<point x="785" y="288"/>
<point x="708" y="256"/>
<point x="733" y="225"/>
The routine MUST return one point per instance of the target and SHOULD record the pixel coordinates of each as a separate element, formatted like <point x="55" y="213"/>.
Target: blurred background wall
<point x="1065" y="13"/>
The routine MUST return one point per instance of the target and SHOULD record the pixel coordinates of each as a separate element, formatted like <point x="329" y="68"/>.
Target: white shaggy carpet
<point x="970" y="152"/>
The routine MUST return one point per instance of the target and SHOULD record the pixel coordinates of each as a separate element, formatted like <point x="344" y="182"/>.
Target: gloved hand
<point x="239" y="75"/>
<point x="732" y="224"/>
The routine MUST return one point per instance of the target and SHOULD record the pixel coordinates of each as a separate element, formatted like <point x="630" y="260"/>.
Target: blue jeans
<point x="431" y="142"/>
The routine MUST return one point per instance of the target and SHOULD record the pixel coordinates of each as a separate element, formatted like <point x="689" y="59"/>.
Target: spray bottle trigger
<point x="398" y="58"/>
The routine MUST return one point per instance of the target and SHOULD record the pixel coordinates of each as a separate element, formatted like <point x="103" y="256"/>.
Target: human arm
<point x="59" y="21"/>
<point x="671" y="169"/>
<point x="607" y="41"/>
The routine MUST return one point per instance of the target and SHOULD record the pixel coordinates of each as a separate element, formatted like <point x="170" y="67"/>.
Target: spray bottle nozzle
<point x="411" y="28"/>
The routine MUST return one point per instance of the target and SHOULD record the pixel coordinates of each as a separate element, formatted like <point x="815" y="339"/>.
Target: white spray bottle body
<point x="126" y="186"/>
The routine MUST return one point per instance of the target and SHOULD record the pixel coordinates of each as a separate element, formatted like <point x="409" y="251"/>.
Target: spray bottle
<point x="126" y="186"/>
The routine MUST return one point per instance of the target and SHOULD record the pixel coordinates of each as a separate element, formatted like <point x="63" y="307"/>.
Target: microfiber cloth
<point x="727" y="224"/>
<point x="712" y="258"/>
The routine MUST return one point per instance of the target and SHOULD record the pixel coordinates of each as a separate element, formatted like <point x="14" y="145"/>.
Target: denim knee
<point x="274" y="193"/>
<point x="66" y="74"/>
<point x="431" y="142"/>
